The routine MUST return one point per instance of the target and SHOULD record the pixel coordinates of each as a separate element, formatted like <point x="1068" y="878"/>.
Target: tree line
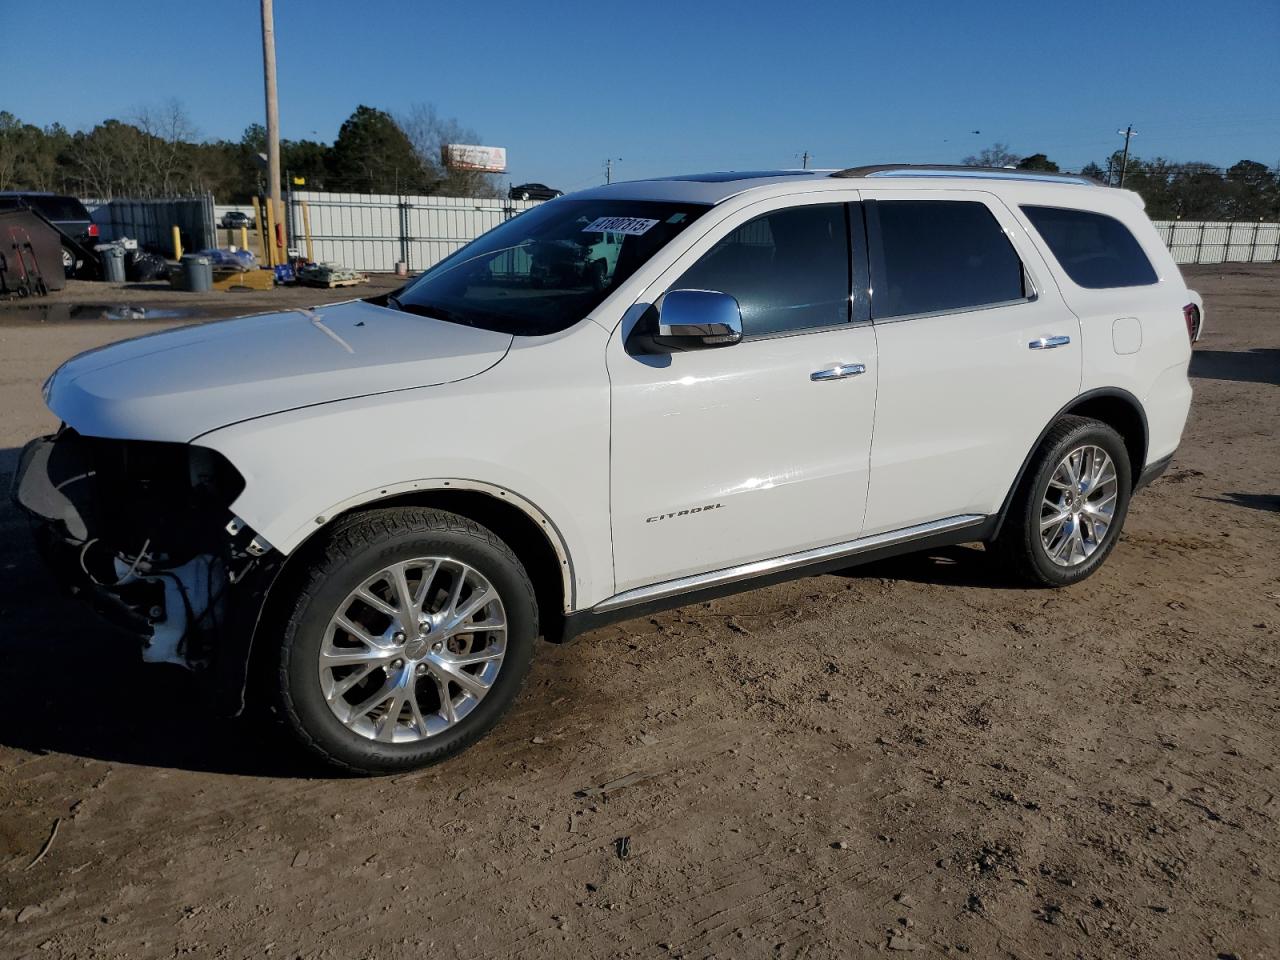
<point x="1247" y="190"/>
<point x="157" y="152"/>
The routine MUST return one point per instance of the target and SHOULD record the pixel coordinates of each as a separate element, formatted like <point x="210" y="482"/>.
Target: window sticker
<point x="631" y="226"/>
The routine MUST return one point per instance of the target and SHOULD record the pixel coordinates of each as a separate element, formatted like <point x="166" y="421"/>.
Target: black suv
<point x="68" y="216"/>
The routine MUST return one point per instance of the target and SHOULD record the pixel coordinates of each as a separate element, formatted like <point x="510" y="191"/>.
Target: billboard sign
<point x="466" y="156"/>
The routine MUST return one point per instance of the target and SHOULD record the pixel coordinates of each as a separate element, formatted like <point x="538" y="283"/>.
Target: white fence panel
<point x="1209" y="241"/>
<point x="373" y="231"/>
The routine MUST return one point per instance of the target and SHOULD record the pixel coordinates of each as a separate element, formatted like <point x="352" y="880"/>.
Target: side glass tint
<point x="788" y="270"/>
<point x="1095" y="250"/>
<point x="940" y="255"/>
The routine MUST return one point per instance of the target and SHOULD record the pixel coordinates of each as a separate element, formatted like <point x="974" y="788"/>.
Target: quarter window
<point x="1095" y="250"/>
<point x="788" y="270"/>
<point x="940" y="255"/>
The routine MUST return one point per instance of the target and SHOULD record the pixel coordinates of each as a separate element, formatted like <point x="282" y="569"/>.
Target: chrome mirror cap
<point x="706" y="318"/>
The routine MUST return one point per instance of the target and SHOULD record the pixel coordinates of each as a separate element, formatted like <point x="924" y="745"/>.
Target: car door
<point x="726" y="455"/>
<point x="978" y="352"/>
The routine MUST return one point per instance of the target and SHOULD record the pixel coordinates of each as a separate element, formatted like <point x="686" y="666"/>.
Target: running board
<point x="791" y="561"/>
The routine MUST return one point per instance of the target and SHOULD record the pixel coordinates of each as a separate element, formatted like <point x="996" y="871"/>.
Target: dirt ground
<point x="914" y="756"/>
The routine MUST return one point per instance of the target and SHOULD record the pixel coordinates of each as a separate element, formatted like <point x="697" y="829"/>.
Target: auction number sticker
<point x="632" y="226"/>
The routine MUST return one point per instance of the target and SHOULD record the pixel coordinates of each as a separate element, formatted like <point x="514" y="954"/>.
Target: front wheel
<point x="411" y="636"/>
<point x="1070" y="506"/>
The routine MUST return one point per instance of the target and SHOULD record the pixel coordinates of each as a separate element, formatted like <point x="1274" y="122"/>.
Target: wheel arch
<point x="523" y="526"/>
<point x="1113" y="406"/>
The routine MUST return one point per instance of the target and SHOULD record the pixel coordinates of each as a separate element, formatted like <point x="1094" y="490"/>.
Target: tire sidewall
<point x="1093" y="433"/>
<point x="304" y="633"/>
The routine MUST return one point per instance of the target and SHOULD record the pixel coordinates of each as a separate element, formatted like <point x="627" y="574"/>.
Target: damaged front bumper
<point x="144" y="531"/>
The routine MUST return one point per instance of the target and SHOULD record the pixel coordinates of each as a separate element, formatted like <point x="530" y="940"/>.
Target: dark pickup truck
<point x="69" y="217"/>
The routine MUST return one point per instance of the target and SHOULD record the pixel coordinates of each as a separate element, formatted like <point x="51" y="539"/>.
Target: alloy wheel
<point x="413" y="650"/>
<point x="1078" y="506"/>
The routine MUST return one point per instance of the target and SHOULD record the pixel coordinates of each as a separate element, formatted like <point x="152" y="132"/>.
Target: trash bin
<point x="112" y="256"/>
<point x="197" y="272"/>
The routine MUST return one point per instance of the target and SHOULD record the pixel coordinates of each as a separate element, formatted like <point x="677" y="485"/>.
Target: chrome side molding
<point x="789" y="561"/>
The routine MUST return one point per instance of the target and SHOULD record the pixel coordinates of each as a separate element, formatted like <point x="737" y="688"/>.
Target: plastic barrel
<point x="112" y="264"/>
<point x="198" y="272"/>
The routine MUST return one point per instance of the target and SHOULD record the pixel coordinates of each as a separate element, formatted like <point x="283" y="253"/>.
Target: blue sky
<point x="677" y="87"/>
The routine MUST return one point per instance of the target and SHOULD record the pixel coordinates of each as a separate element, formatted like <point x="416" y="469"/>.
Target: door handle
<point x="1048" y="343"/>
<point x="838" y="372"/>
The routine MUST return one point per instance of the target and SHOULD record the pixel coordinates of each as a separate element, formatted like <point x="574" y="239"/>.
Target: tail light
<point x="1191" y="314"/>
<point x="93" y="229"/>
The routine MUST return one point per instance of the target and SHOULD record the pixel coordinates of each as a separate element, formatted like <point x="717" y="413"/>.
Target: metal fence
<point x="151" y="222"/>
<point x="373" y="231"/>
<point x="1208" y="241"/>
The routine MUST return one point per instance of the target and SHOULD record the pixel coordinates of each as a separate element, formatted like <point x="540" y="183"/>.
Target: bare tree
<point x="167" y="131"/>
<point x="996" y="155"/>
<point x="428" y="132"/>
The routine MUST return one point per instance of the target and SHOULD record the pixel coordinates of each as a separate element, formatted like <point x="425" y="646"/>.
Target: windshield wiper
<point x="394" y="302"/>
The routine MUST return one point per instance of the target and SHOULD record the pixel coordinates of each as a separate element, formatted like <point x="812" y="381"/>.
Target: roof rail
<point x="957" y="170"/>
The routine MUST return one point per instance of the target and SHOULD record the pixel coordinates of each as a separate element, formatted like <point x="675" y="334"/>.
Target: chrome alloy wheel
<point x="1078" y="506"/>
<point x="413" y="649"/>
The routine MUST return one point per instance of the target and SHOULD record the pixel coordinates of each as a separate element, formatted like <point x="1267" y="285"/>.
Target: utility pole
<point x="608" y="168"/>
<point x="273" y="119"/>
<point x="1127" y="133"/>
<point x="804" y="161"/>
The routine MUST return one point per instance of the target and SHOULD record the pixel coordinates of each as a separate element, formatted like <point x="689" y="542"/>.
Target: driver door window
<point x="789" y="270"/>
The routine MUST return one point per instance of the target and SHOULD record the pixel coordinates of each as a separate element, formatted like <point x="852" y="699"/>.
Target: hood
<point x="181" y="383"/>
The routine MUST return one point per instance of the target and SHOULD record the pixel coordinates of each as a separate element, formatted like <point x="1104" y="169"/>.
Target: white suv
<point x="628" y="398"/>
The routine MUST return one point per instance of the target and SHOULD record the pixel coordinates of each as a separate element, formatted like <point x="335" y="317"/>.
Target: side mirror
<point x="694" y="319"/>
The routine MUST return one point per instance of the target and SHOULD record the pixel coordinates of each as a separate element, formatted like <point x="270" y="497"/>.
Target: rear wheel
<point x="1070" y="506"/>
<point x="68" y="263"/>
<point x="411" y="636"/>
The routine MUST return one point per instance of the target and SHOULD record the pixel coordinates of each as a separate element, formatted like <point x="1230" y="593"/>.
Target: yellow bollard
<point x="306" y="227"/>
<point x="244" y="238"/>
<point x="177" y="244"/>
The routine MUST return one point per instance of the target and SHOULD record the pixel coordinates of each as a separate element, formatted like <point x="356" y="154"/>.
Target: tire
<point x="1041" y="497"/>
<point x="68" y="263"/>
<point x="524" y="195"/>
<point x="369" y="546"/>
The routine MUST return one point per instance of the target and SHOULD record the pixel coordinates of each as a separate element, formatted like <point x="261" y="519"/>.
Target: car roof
<point x="715" y="187"/>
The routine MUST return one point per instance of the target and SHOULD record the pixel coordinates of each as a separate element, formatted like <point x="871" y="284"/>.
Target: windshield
<point x="546" y="269"/>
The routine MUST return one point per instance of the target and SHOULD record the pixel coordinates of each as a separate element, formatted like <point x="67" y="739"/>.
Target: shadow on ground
<point x="1267" y="502"/>
<point x="960" y="566"/>
<point x="1243" y="366"/>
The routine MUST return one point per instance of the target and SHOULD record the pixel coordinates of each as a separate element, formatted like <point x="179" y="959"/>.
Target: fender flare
<point x="1117" y="393"/>
<point x="254" y="593"/>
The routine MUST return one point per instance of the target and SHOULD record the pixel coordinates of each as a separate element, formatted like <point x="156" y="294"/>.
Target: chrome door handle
<point x="1048" y="343"/>
<point x="838" y="372"/>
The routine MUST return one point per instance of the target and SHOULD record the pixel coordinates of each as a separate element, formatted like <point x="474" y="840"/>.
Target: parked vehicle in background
<point x="534" y="191"/>
<point x="235" y="219"/>
<point x="642" y="395"/>
<point x="69" y="216"/>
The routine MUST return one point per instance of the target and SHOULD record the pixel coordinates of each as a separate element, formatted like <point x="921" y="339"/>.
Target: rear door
<point x="978" y="352"/>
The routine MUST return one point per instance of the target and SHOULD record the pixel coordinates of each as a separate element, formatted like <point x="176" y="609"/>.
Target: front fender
<point x="534" y="431"/>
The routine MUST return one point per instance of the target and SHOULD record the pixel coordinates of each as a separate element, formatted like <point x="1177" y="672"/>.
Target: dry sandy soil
<point x="915" y="756"/>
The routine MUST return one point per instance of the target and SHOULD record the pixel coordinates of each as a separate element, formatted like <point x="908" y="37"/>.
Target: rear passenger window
<point x="788" y="270"/>
<point x="940" y="255"/>
<point x="1097" y="251"/>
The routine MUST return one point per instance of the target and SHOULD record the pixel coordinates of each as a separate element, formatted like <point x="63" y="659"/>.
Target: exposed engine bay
<point x="144" y="531"/>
